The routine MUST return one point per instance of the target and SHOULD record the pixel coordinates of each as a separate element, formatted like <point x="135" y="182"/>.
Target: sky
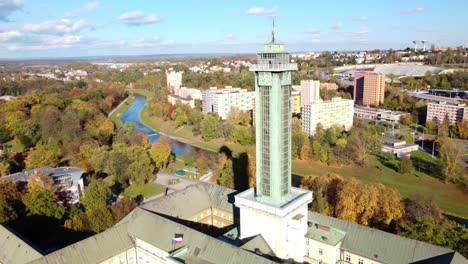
<point x="73" y="28"/>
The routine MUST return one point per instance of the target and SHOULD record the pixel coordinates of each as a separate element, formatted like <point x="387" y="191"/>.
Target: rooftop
<point x="324" y="234"/>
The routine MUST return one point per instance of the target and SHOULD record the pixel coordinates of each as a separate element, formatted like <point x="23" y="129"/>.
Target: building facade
<point x="185" y="96"/>
<point x="295" y="101"/>
<point x="174" y="81"/>
<point x="337" y="111"/>
<point x="222" y="100"/>
<point x="310" y="91"/>
<point x="329" y="86"/>
<point x="369" y="88"/>
<point x="455" y="112"/>
<point x="397" y="147"/>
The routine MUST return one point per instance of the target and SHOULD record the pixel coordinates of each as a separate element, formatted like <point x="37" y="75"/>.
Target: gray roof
<point x="258" y="242"/>
<point x="406" y="69"/>
<point x="382" y="246"/>
<point x="94" y="249"/>
<point x="156" y="230"/>
<point x="192" y="200"/>
<point x="14" y="249"/>
<point x="24" y="176"/>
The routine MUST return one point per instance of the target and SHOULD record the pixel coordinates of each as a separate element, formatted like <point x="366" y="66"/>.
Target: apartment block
<point x="310" y="91"/>
<point x="437" y="111"/>
<point x="295" y="101"/>
<point x="329" y="86"/>
<point x="222" y="100"/>
<point x="174" y="81"/>
<point x="327" y="113"/>
<point x="369" y="88"/>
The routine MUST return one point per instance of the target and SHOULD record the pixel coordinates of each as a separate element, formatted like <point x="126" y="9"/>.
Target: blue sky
<point x="30" y="29"/>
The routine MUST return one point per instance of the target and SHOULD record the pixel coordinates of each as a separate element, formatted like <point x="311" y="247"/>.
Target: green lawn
<point x="448" y="196"/>
<point x="115" y="117"/>
<point x="146" y="190"/>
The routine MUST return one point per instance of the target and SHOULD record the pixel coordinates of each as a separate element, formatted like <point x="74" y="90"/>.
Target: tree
<point x="226" y="179"/>
<point x="430" y="127"/>
<point x="40" y="157"/>
<point x="40" y="201"/>
<point x="40" y="179"/>
<point x="347" y="194"/>
<point x="4" y="168"/>
<point x="7" y="211"/>
<point x="122" y="208"/>
<point x="96" y="194"/>
<point x="406" y="166"/>
<point x="462" y="129"/>
<point x="100" y="219"/>
<point x="160" y="153"/>
<point x="180" y="117"/>
<point x="450" y="160"/>
<point x="406" y="120"/>
<point x="209" y="128"/>
<point x="316" y="150"/>
<point x="357" y="147"/>
<point x="305" y="151"/>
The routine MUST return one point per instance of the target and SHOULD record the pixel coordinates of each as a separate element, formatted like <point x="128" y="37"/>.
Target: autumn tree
<point x="41" y="180"/>
<point x="7" y="211"/>
<point x="305" y="151"/>
<point x="226" y="179"/>
<point x="39" y="201"/>
<point x="100" y="219"/>
<point x="41" y="157"/>
<point x="406" y="166"/>
<point x="462" y="128"/>
<point x="450" y="160"/>
<point x="160" y="153"/>
<point x="122" y="208"/>
<point x="96" y="194"/>
<point x="209" y="128"/>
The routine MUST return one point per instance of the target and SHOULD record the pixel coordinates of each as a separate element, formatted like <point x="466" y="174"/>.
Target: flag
<point x="177" y="239"/>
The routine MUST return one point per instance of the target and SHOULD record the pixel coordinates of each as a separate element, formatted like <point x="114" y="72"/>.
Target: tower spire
<point x="273" y="31"/>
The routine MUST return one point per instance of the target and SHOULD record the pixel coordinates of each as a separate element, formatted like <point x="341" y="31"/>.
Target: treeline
<point x="446" y="81"/>
<point x="377" y="206"/>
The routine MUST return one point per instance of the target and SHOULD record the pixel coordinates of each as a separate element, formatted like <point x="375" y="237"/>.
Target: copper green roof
<point x="382" y="246"/>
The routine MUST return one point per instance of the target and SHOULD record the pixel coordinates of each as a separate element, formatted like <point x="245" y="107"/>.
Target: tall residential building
<point x="328" y="113"/>
<point x="174" y="81"/>
<point x="310" y="91"/>
<point x="369" y="88"/>
<point x="437" y="111"/>
<point x="273" y="208"/>
<point x="295" y="101"/>
<point x="222" y="100"/>
<point x="185" y="96"/>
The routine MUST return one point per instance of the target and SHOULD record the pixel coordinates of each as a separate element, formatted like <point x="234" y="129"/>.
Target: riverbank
<point x="117" y="112"/>
<point x="183" y="134"/>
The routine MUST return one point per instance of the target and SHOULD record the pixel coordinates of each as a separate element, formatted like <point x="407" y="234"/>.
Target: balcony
<point x="274" y="67"/>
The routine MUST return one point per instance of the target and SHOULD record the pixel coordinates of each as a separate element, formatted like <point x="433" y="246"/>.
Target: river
<point x="131" y="115"/>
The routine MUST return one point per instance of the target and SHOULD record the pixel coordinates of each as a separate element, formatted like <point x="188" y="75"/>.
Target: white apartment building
<point x="185" y="96"/>
<point x="437" y="111"/>
<point x="174" y="81"/>
<point x="310" y="91"/>
<point x="222" y="100"/>
<point x="327" y="113"/>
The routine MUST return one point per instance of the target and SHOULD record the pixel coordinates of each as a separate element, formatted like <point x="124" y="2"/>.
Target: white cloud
<point x="261" y="11"/>
<point x="356" y="33"/>
<point x="231" y="36"/>
<point x="7" y="35"/>
<point x="86" y="8"/>
<point x="137" y="18"/>
<point x="9" y="6"/>
<point x="411" y="10"/>
<point x="63" y="41"/>
<point x="47" y="43"/>
<point x="363" y="18"/>
<point x="59" y="27"/>
<point x="336" y="26"/>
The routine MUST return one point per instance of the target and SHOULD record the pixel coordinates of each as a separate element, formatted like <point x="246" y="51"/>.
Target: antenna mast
<point x="273" y="31"/>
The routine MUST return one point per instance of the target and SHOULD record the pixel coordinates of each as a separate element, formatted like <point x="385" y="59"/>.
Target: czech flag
<point x="177" y="239"/>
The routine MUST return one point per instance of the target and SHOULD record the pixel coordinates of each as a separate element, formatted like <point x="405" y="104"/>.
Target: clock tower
<point x="273" y="208"/>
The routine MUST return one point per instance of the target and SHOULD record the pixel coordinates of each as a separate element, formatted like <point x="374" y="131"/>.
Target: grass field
<point x="448" y="196"/>
<point x="145" y="190"/>
<point x="115" y="116"/>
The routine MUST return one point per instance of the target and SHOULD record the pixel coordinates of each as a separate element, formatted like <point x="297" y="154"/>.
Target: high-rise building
<point x="454" y="112"/>
<point x="369" y="88"/>
<point x="222" y="100"/>
<point x="295" y="101"/>
<point x="337" y="111"/>
<point x="310" y="91"/>
<point x="273" y="208"/>
<point x="174" y="81"/>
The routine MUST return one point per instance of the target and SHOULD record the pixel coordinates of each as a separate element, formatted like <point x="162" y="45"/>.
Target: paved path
<point x="206" y="177"/>
<point x="123" y="102"/>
